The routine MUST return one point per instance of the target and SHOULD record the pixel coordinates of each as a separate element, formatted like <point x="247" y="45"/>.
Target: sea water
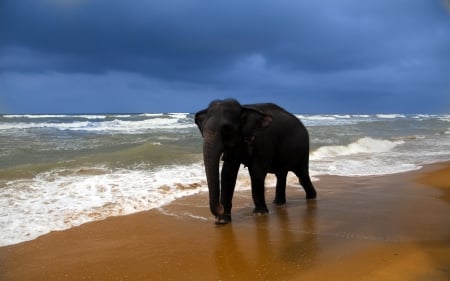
<point x="60" y="171"/>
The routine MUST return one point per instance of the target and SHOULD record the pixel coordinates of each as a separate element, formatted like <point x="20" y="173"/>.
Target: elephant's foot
<point x="260" y="211"/>
<point x="279" y="202"/>
<point x="223" y="219"/>
<point x="311" y="195"/>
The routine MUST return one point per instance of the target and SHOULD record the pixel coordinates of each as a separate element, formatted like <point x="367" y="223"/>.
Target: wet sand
<point x="393" y="227"/>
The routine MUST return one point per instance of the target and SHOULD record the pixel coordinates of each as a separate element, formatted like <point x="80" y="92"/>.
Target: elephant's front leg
<point x="228" y="181"/>
<point x="257" y="177"/>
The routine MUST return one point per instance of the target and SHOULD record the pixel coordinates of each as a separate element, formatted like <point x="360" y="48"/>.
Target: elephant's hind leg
<point x="280" y="191"/>
<point x="305" y="181"/>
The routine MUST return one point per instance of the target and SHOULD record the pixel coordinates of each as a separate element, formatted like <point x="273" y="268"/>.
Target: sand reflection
<point x="299" y="244"/>
<point x="269" y="247"/>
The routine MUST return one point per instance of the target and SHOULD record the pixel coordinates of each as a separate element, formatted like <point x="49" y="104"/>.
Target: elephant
<point x="265" y="138"/>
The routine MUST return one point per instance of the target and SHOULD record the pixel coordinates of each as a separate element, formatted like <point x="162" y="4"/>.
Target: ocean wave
<point x="362" y="146"/>
<point x="390" y="116"/>
<point x="180" y="115"/>
<point x="370" y="166"/>
<point x="445" y="118"/>
<point x="364" y="157"/>
<point x="144" y="121"/>
<point x="344" y="119"/>
<point x="332" y="120"/>
<point x="61" y="199"/>
<point x="315" y="117"/>
<point x="34" y="116"/>
<point x="151" y="114"/>
<point x="91" y="116"/>
<point x="115" y="125"/>
<point x="47" y="116"/>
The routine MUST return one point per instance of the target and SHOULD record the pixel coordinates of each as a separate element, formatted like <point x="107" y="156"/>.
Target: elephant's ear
<point x="199" y="118"/>
<point x="252" y="119"/>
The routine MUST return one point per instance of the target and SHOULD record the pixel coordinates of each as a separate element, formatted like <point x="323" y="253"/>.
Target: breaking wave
<point x="61" y="199"/>
<point x="361" y="146"/>
<point x="99" y="123"/>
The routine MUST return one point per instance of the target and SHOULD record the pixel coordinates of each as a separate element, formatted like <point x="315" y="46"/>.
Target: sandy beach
<point x="394" y="227"/>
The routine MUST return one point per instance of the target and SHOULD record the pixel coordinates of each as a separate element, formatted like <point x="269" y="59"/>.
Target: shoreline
<point x="387" y="227"/>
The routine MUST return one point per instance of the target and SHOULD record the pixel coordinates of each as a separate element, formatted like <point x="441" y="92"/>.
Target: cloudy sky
<point x="309" y="56"/>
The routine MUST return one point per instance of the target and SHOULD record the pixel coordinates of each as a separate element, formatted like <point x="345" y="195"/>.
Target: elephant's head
<point x="225" y="125"/>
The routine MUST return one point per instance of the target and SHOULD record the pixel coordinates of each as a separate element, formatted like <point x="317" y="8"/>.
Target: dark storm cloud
<point x="338" y="50"/>
<point x="152" y="37"/>
<point x="174" y="36"/>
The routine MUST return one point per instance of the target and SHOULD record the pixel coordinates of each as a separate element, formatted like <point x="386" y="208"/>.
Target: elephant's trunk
<point x="212" y="149"/>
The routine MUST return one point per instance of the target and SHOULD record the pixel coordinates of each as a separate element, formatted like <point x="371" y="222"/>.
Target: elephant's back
<point x="281" y="118"/>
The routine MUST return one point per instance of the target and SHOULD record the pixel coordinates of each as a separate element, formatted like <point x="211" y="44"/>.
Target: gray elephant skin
<point x="265" y="138"/>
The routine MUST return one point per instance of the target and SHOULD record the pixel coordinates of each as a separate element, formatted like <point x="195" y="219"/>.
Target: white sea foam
<point x="363" y="145"/>
<point x="59" y="200"/>
<point x="117" y="125"/>
<point x="390" y="116"/>
<point x="369" y="166"/>
<point x="333" y="120"/>
<point x="365" y="157"/>
<point x="179" y="115"/>
<point x="316" y="117"/>
<point x="445" y="118"/>
<point x="44" y="116"/>
<point x="34" y="116"/>
<point x="151" y="114"/>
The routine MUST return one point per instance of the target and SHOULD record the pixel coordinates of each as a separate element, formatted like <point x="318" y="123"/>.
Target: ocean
<point x="60" y="171"/>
